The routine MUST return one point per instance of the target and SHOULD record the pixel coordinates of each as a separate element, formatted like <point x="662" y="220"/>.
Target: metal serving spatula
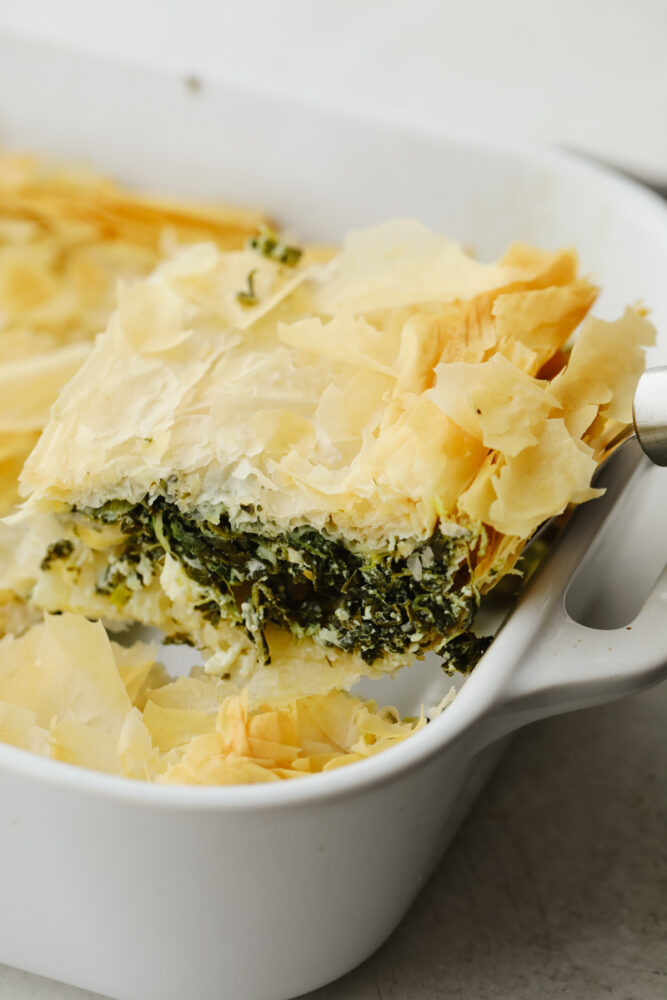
<point x="650" y="414"/>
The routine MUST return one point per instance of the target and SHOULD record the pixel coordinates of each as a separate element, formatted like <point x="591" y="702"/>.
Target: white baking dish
<point x="262" y="893"/>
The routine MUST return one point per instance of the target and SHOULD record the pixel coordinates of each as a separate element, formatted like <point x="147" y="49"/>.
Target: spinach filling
<point x="61" y="549"/>
<point x="305" y="580"/>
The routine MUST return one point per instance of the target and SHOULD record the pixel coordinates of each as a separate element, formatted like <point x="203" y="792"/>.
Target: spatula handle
<point x="650" y="414"/>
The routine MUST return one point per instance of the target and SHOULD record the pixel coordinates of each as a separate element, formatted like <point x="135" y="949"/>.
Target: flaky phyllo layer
<point x="67" y="236"/>
<point x="263" y="452"/>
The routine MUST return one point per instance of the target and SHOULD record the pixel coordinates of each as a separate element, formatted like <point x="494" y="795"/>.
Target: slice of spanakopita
<point x="311" y="470"/>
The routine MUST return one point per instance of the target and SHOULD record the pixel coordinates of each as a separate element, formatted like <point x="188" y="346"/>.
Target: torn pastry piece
<point x="68" y="693"/>
<point x="263" y="457"/>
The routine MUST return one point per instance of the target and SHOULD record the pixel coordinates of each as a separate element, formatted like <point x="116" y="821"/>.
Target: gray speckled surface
<point x="556" y="886"/>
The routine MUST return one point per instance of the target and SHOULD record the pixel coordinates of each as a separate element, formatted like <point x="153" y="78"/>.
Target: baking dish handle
<point x="569" y="665"/>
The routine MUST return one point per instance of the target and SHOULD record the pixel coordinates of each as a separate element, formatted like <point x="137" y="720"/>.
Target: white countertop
<point x="556" y="886"/>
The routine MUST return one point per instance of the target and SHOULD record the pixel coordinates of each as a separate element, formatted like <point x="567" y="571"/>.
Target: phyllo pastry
<point x="311" y="469"/>
<point x="67" y="236"/>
